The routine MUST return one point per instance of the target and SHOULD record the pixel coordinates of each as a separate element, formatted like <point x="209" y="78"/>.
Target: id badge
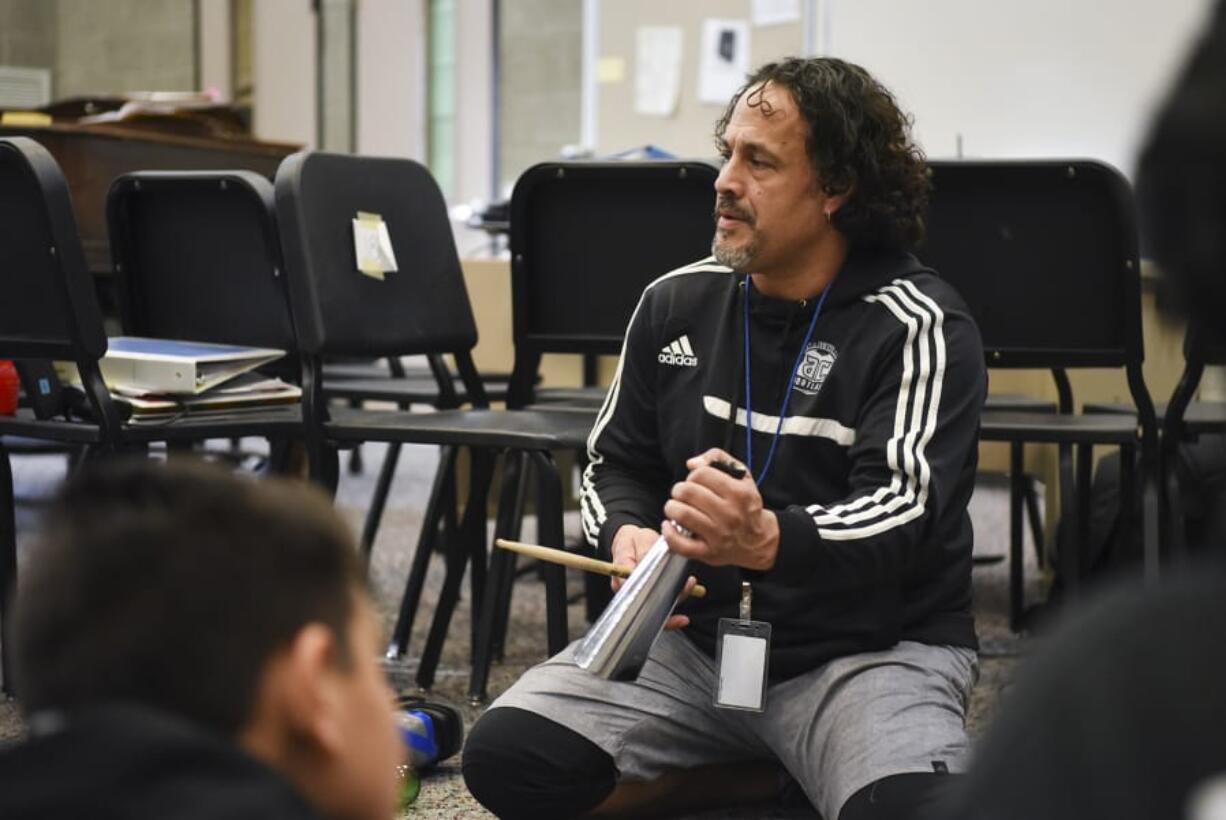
<point x="742" y="651"/>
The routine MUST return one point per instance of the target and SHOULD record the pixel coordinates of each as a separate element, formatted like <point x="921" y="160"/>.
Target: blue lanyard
<point x="787" y="396"/>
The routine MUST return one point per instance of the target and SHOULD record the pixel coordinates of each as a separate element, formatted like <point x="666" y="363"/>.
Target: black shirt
<point x="131" y="763"/>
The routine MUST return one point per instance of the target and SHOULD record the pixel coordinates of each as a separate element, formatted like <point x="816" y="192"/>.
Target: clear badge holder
<point x="742" y="656"/>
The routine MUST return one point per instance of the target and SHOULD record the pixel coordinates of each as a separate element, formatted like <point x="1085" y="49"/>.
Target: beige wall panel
<point x="119" y="46"/>
<point x="688" y="132"/>
<point x="542" y="58"/>
<point x="28" y="34"/>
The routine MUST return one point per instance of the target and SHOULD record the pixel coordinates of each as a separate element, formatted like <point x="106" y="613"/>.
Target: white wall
<point x="474" y="118"/>
<point x="284" y="69"/>
<point x="1034" y="78"/>
<point x="391" y="63"/>
<point x="214" y="39"/>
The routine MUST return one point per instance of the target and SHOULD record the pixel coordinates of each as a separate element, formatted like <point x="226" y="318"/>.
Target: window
<point x="441" y="95"/>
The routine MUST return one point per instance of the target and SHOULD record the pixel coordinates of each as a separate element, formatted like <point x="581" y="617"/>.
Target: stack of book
<point x="162" y="379"/>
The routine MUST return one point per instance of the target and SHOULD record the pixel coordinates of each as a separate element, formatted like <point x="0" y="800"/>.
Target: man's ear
<point x="309" y="691"/>
<point x="835" y="201"/>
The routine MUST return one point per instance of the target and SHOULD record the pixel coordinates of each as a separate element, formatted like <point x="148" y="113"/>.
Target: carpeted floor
<point x="443" y="794"/>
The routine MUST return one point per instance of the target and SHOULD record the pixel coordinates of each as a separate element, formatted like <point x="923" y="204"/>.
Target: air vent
<point x="22" y="88"/>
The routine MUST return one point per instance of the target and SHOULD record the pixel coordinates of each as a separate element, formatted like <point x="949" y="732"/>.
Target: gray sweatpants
<point x="835" y="729"/>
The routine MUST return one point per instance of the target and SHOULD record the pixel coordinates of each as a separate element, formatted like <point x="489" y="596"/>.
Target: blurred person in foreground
<point x="1122" y="714"/>
<point x="188" y="644"/>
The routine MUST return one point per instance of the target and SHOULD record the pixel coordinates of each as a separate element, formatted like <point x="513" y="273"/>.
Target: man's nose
<point x="727" y="182"/>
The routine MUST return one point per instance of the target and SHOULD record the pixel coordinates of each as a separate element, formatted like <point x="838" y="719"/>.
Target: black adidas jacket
<point x="874" y="466"/>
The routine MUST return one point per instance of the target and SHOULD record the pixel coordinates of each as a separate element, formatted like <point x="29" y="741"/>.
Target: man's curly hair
<point x="858" y="140"/>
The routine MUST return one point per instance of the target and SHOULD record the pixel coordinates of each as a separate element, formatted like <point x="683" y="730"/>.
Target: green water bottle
<point x="410" y="786"/>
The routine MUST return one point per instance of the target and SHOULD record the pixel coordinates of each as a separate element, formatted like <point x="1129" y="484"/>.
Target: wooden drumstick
<point x="569" y="559"/>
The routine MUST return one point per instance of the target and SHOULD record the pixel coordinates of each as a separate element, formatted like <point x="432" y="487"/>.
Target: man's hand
<point x="725" y="516"/>
<point x="631" y="543"/>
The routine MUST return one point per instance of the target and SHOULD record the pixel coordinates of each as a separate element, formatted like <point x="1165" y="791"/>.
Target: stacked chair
<point x="226" y="257"/>
<point x="50" y="313"/>
<point x="1045" y="254"/>
<point x="434" y="385"/>
<point x="421" y="309"/>
<point x="586" y="239"/>
<point x="1182" y="419"/>
<point x="197" y="257"/>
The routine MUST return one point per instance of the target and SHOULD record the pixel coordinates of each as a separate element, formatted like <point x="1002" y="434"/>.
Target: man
<point x="192" y="645"/>
<point x="861" y="376"/>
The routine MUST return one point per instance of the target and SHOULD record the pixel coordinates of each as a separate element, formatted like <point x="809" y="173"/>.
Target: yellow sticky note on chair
<point x="372" y="246"/>
<point x="25" y="119"/>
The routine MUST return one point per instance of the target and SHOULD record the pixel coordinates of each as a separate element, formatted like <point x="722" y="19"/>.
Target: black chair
<point x="586" y="239"/>
<point x="1182" y="419"/>
<point x="197" y="257"/>
<point x="420" y="309"/>
<point x="50" y="312"/>
<point x="1045" y="254"/>
<point x="433" y="385"/>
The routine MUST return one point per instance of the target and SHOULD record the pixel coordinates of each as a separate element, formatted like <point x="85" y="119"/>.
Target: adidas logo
<point x="678" y="353"/>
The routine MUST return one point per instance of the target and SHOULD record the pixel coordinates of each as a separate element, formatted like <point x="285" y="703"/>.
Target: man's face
<point x="373" y="748"/>
<point x="770" y="210"/>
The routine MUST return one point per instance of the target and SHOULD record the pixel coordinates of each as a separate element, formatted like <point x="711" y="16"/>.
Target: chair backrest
<point x="587" y="237"/>
<point x="197" y="257"/>
<point x="1204" y="348"/>
<point x="420" y="308"/>
<point x="1045" y="254"/>
<point x="48" y="305"/>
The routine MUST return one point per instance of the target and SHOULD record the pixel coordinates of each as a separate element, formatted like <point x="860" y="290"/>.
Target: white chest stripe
<point x="811" y="426"/>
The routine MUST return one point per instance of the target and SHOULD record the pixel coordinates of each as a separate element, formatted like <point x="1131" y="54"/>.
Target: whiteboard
<point x="1020" y="78"/>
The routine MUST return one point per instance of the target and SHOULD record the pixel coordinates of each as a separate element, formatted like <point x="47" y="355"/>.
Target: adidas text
<point x="678" y="359"/>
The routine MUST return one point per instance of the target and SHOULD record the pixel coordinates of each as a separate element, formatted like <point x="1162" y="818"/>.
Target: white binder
<point x="137" y="364"/>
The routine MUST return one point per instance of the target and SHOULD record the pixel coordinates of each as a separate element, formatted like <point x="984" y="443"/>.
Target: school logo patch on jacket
<point x="814" y="367"/>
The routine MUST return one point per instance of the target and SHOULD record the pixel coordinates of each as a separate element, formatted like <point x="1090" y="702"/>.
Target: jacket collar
<point x="865" y="270"/>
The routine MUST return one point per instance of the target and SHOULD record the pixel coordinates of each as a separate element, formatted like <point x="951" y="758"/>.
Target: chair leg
<point x="178" y="449"/>
<point x="549" y="527"/>
<point x="355" y="455"/>
<point x="1170" y="505"/>
<point x="1073" y="564"/>
<point x="1150" y="517"/>
<point x="501" y="574"/>
<point x="478" y="562"/>
<point x="1017" y="592"/>
<point x="515" y="525"/>
<point x="472" y="526"/>
<point x="1035" y="520"/>
<point x="1129" y="496"/>
<point x="76" y="457"/>
<point x="437" y="510"/>
<point x="8" y="565"/>
<point x="378" y="501"/>
<point x="324" y="465"/>
<point x="1068" y="521"/>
